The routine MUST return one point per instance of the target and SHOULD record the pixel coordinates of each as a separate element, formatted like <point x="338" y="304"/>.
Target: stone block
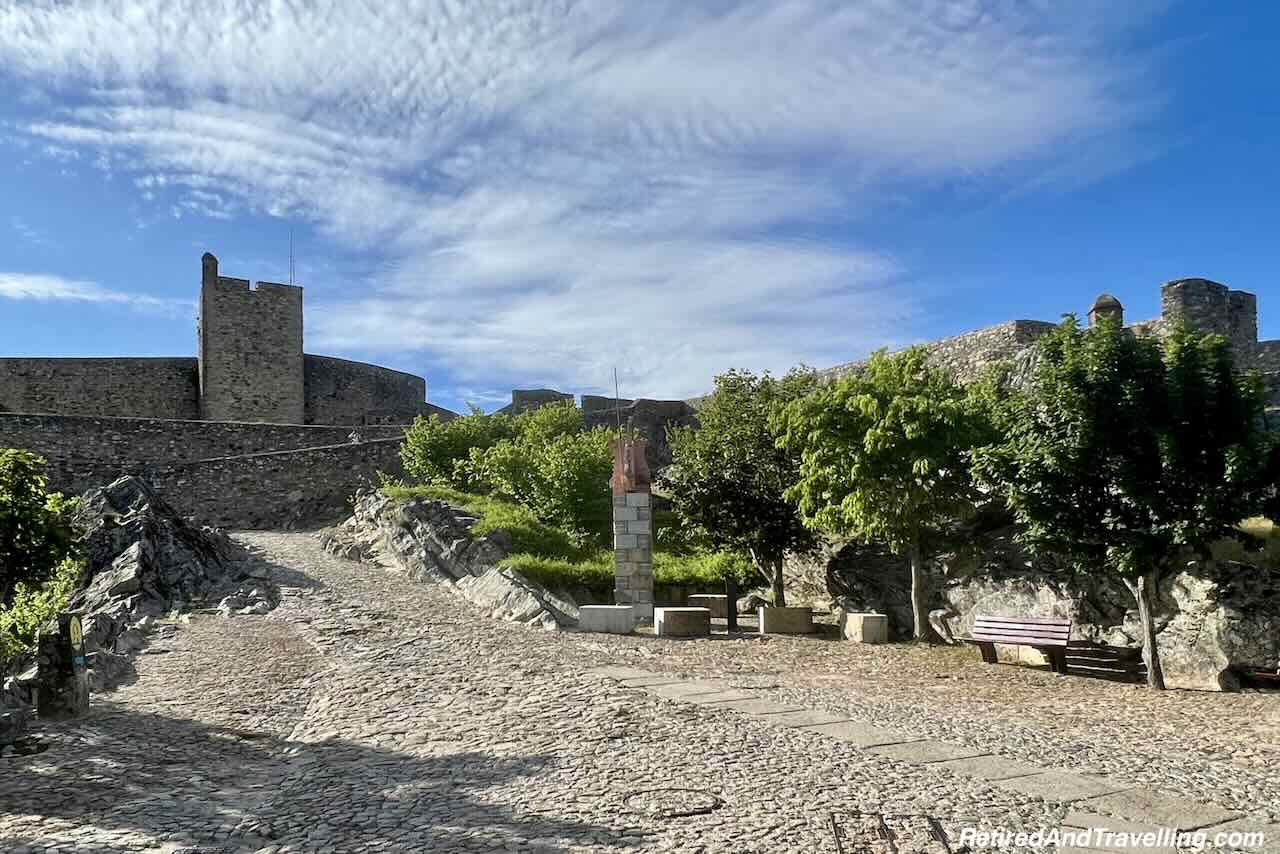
<point x="756" y="707"/>
<point x="611" y="619"/>
<point x="865" y="628"/>
<point x="1060" y="786"/>
<point x="644" y="514"/>
<point x="926" y="751"/>
<point x="639" y="526"/>
<point x="786" y="621"/>
<point x="625" y="541"/>
<point x="717" y="604"/>
<point x="643" y="541"/>
<point x="1151" y="807"/>
<point x="991" y="767"/>
<point x="643" y="607"/>
<point x="681" y="622"/>
<point x="857" y="733"/>
<point x="13" y="723"/>
<point x="624" y="514"/>
<point x="638" y="499"/>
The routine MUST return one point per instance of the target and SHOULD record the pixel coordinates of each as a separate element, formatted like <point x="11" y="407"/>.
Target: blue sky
<point x="530" y="193"/>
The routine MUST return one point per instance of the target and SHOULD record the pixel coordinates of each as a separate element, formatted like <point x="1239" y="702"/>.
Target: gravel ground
<point x="369" y="713"/>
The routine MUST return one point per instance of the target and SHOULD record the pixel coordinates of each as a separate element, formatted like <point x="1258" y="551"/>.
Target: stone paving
<point x="369" y="713"/>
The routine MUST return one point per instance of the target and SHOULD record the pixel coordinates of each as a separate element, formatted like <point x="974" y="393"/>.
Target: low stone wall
<point x="84" y="452"/>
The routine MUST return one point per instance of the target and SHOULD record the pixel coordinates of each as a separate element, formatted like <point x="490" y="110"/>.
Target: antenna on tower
<point x="617" y="402"/>
<point x="291" y="255"/>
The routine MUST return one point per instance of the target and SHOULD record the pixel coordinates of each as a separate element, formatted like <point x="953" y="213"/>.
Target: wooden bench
<point x="1049" y="635"/>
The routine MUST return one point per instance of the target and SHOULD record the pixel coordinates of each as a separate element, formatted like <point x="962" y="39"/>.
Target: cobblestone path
<point x="369" y="713"/>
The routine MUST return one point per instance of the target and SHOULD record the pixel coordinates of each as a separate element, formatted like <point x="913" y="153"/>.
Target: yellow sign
<point x="73" y="629"/>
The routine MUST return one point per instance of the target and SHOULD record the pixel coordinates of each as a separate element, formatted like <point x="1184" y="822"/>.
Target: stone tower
<point x="250" y="349"/>
<point x="1212" y="307"/>
<point x="1106" y="306"/>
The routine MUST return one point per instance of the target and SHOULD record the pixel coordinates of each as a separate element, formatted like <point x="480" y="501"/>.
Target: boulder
<point x="431" y="541"/>
<point x="1215" y="617"/>
<point x="13" y="723"/>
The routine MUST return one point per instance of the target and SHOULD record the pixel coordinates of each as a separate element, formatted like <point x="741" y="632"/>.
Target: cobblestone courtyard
<point x="369" y="713"/>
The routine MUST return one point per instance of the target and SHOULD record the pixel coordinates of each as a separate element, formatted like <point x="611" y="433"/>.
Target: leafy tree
<point x="884" y="457"/>
<point x="728" y="476"/>
<point x="34" y="532"/>
<point x="1124" y="453"/>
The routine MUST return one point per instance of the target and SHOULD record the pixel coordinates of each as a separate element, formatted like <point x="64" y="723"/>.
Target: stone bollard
<point x="62" y="680"/>
<point x="865" y="628"/>
<point x="632" y="528"/>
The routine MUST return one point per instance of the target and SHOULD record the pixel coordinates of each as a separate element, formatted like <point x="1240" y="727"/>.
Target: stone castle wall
<point x="147" y="388"/>
<point x="338" y="391"/>
<point x="966" y="356"/>
<point x="278" y="489"/>
<point x="84" y="452"/>
<point x="251" y="366"/>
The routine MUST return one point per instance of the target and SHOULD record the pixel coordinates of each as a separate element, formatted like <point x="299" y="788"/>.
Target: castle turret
<point x="1208" y="306"/>
<point x="1106" y="306"/>
<point x="251" y="366"/>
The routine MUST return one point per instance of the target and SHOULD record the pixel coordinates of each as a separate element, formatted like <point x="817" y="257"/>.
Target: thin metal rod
<point x="617" y="401"/>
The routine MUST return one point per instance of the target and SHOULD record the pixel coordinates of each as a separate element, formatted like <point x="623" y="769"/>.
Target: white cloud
<point x="550" y="189"/>
<point x="34" y="286"/>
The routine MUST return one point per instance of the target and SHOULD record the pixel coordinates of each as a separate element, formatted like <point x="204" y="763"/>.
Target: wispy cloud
<point x="32" y="286"/>
<point x="550" y="189"/>
<point x="28" y="233"/>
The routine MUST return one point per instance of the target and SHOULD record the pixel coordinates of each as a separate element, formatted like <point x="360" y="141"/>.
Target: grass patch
<point x="1267" y="556"/>
<point x="551" y="557"/>
<point x="528" y="535"/>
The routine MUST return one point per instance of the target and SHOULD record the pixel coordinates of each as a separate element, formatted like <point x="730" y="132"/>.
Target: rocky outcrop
<point x="432" y="541"/>
<point x="142" y="562"/>
<point x="1216" y="618"/>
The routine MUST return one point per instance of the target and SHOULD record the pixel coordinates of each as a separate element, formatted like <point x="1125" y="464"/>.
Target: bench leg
<point x="1057" y="659"/>
<point x="988" y="651"/>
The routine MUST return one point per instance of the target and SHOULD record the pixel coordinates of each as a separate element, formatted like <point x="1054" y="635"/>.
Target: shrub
<point x="432" y="448"/>
<point x="35" y="535"/>
<point x="34" y="605"/>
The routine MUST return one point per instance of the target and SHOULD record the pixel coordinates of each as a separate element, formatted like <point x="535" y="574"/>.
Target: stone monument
<point x="632" y="528"/>
<point x="61" y="676"/>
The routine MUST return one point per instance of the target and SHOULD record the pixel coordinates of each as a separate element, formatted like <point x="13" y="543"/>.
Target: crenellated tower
<point x="250" y="349"/>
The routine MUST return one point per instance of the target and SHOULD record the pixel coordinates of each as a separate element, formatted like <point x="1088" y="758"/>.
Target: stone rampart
<point x="966" y="356"/>
<point x="84" y="452"/>
<point x="339" y="391"/>
<point x="278" y="489"/>
<point x="144" y="387"/>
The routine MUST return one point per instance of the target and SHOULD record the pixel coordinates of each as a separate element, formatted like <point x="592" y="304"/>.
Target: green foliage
<point x="884" y="452"/>
<point x="543" y="459"/>
<point x="729" y="476"/>
<point x="528" y="533"/>
<point x="35" y="535"/>
<point x="35" y="605"/>
<point x="1122" y="455"/>
<point x="552" y="558"/>
<point x="432" y="448"/>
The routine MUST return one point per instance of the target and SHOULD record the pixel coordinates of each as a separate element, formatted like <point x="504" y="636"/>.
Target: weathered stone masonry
<point x="83" y="452"/>
<point x="250" y="367"/>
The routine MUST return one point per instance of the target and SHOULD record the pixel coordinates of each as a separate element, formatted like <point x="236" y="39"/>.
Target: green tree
<point x="1124" y="453"/>
<point x="728" y="476"/>
<point x="34" y="532"/>
<point x="884" y="457"/>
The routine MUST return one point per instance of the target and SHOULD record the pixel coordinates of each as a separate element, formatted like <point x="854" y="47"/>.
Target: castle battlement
<point x="249" y="367"/>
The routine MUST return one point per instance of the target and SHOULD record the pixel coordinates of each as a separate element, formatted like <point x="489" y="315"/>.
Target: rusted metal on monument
<point x="630" y="468"/>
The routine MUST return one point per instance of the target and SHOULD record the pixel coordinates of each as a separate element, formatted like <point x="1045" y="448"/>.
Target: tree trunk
<point x="779" y="594"/>
<point x="1144" y="589"/>
<point x="919" y="595"/>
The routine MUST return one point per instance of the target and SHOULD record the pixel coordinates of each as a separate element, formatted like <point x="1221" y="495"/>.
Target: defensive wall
<point x="249" y="367"/>
<point x="85" y="451"/>
<point x="1204" y="305"/>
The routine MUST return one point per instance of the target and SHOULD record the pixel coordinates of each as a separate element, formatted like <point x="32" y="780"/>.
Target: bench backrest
<point x="1029" y="631"/>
